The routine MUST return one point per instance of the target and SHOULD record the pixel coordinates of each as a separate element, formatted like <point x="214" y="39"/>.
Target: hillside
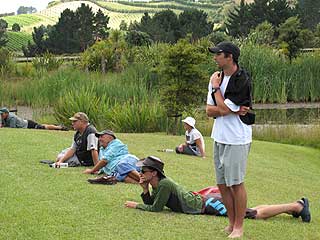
<point x="117" y="11"/>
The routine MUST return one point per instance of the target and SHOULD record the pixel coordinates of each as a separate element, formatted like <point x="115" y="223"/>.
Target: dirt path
<point x="286" y="105"/>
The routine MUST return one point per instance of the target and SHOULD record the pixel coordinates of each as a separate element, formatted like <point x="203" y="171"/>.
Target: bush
<point x="6" y="63"/>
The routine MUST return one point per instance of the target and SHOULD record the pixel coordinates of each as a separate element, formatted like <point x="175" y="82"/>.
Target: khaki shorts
<point x="230" y="163"/>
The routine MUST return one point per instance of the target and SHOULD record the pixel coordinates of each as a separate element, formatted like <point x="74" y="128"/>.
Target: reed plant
<point x="276" y="79"/>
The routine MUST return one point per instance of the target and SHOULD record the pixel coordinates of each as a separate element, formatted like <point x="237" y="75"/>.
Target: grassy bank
<point x="39" y="202"/>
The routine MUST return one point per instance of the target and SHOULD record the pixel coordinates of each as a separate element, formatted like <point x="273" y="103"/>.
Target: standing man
<point x="228" y="101"/>
<point x="84" y="149"/>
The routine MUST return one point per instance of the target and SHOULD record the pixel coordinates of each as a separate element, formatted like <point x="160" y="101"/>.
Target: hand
<point x="130" y="204"/>
<point x="243" y="110"/>
<point x="88" y="171"/>
<point x="143" y="183"/>
<point x="215" y="79"/>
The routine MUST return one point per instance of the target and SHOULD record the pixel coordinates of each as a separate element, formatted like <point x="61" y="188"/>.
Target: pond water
<point x="288" y="116"/>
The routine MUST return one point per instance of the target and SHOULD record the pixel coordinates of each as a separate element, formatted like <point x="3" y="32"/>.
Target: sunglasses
<point x="144" y="171"/>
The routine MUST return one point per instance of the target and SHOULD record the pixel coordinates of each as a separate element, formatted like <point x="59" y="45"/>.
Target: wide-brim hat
<point x="152" y="162"/>
<point x="108" y="132"/>
<point x="190" y="121"/>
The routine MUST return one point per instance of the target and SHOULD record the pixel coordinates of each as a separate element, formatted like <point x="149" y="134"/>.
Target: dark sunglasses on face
<point x="144" y="170"/>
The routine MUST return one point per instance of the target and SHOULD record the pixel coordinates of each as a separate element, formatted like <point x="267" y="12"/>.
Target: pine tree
<point x="238" y="23"/>
<point x="85" y="26"/>
<point x="101" y="25"/>
<point x="309" y="13"/>
<point x="280" y="11"/>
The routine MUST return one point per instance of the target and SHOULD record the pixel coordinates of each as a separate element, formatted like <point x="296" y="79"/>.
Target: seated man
<point x="166" y="192"/>
<point x="11" y="120"/>
<point x="194" y="144"/>
<point x="115" y="161"/>
<point x="84" y="149"/>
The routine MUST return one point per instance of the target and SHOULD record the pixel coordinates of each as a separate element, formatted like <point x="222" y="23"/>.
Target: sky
<point x="7" y="6"/>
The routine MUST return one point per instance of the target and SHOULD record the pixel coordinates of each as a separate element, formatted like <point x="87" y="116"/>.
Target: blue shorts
<point x="126" y="165"/>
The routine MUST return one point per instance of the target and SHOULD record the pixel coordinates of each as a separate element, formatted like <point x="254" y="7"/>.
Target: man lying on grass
<point x="114" y="161"/>
<point x="166" y="192"/>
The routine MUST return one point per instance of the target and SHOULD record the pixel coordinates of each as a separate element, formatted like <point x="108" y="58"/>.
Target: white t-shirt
<point x="229" y="129"/>
<point x="193" y="135"/>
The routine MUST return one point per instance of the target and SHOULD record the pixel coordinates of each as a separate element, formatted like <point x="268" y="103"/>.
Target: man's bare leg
<point x="240" y="205"/>
<point x="134" y="175"/>
<point x="130" y="180"/>
<point x="267" y="211"/>
<point x="227" y="198"/>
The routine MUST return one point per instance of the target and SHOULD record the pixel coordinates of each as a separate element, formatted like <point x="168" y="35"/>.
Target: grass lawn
<point x="38" y="202"/>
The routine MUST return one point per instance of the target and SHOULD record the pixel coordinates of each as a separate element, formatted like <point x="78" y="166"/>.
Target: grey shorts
<point x="73" y="161"/>
<point x="230" y="163"/>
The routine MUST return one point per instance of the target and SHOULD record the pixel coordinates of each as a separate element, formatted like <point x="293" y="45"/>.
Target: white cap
<point x="190" y="121"/>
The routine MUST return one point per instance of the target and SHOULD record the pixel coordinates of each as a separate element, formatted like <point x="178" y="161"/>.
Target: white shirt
<point x="193" y="135"/>
<point x="229" y="129"/>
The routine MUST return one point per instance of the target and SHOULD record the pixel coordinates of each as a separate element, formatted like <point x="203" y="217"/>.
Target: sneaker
<point x="45" y="161"/>
<point x="63" y="128"/>
<point x="305" y="212"/>
<point x="107" y="180"/>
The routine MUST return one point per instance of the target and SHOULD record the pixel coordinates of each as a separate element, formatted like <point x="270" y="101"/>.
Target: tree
<point x="85" y="26"/>
<point x="309" y="13"/>
<point x="238" y="23"/>
<point x="290" y="37"/>
<point x="280" y="11"/>
<point x="196" y="23"/>
<point x="3" y="32"/>
<point x="16" y="27"/>
<point x="123" y="26"/>
<point x="101" y="25"/>
<point x="63" y="37"/>
<point x="183" y="81"/>
<point x="260" y="12"/>
<point x="162" y="27"/>
<point x="137" y="38"/>
<point x="26" y="10"/>
<point x="262" y="34"/>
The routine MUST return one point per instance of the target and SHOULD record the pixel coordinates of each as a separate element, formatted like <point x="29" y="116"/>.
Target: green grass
<point x="38" y="202"/>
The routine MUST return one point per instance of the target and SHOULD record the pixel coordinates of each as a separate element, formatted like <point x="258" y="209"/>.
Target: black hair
<point x="227" y="54"/>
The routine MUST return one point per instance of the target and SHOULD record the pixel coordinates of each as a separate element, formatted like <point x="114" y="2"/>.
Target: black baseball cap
<point x="226" y="47"/>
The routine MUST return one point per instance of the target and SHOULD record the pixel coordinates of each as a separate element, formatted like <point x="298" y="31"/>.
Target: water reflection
<point x="288" y="116"/>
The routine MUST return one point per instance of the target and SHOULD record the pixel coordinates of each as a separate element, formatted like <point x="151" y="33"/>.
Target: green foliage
<point x="46" y="62"/>
<point x="16" y="27"/>
<point x="195" y="22"/>
<point x="3" y="34"/>
<point x="308" y="11"/>
<point x="275" y="79"/>
<point x="137" y="38"/>
<point x="83" y="99"/>
<point x="290" y="34"/>
<point x="105" y="55"/>
<point x="182" y="80"/>
<point x="262" y="34"/>
<point x="6" y="63"/>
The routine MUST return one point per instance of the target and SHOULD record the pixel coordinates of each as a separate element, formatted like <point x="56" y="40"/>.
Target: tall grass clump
<point x="304" y="84"/>
<point x="276" y="79"/>
<point x="268" y="71"/>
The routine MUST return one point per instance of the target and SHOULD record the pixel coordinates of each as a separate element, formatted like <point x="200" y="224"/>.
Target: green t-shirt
<point x="170" y="194"/>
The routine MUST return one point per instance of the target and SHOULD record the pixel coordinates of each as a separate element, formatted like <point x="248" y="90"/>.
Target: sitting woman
<point x="194" y="144"/>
